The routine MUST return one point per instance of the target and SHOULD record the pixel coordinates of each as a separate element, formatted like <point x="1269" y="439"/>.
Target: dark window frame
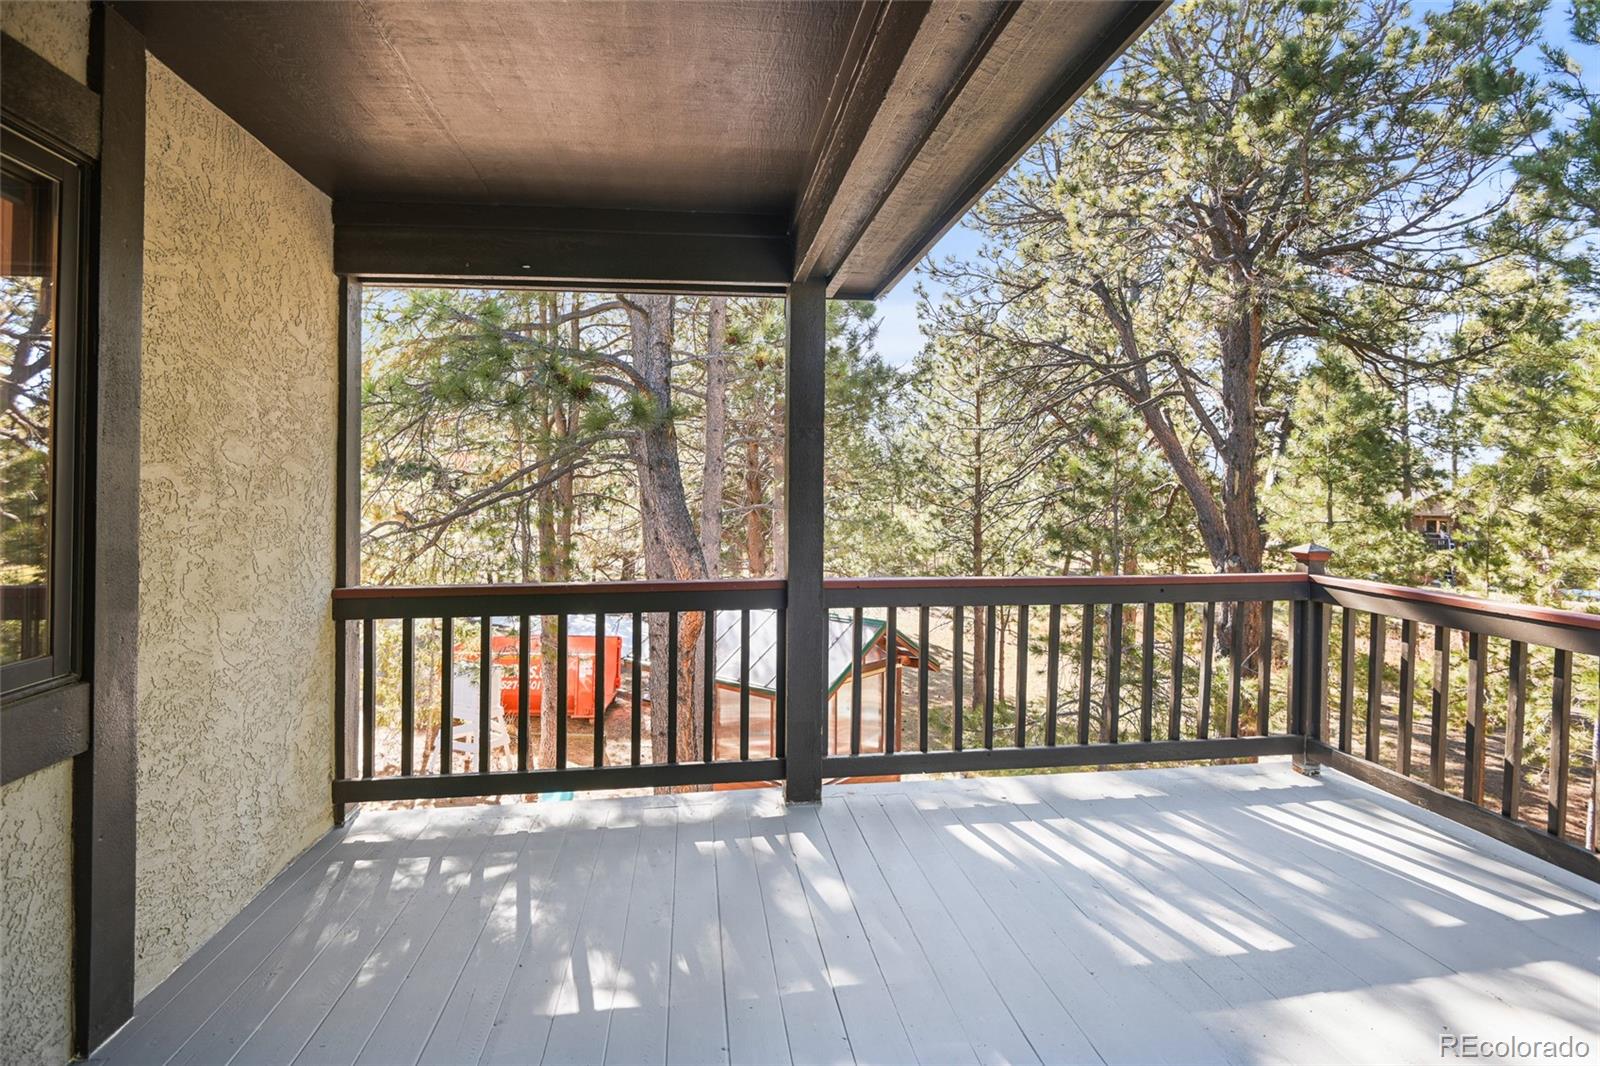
<point x="62" y="664"/>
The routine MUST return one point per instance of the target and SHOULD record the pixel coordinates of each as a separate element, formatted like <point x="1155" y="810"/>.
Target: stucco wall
<point x="236" y="535"/>
<point x="36" y="811"/>
<point x="56" y="29"/>
<point x="36" y="917"/>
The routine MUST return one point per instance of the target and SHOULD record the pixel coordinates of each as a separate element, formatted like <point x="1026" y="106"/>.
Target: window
<point x="39" y="206"/>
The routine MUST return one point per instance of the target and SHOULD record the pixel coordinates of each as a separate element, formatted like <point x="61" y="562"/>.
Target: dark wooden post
<point x="806" y="650"/>
<point x="1308" y="685"/>
<point x="104" y="810"/>
<point x="347" y="525"/>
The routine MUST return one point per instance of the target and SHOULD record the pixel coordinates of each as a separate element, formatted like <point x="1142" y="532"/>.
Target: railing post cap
<point x="1311" y="556"/>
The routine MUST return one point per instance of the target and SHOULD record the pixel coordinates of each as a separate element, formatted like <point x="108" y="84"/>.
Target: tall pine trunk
<point x="755" y="537"/>
<point x="714" y="470"/>
<point x="672" y="550"/>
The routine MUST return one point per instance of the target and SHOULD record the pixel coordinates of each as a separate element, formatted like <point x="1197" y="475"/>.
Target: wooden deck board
<point x="638" y="1026"/>
<point x="1215" y="914"/>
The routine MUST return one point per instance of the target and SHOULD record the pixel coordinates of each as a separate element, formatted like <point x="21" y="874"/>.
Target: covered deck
<point x="1238" y="913"/>
<point x="210" y="707"/>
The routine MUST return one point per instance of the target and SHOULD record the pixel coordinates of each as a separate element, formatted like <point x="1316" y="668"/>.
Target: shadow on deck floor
<point x="1206" y="914"/>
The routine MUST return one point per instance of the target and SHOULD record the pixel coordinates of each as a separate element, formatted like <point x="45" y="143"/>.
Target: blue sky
<point x="899" y="334"/>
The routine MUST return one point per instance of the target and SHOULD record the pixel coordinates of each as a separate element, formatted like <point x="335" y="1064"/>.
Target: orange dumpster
<point x="580" y="672"/>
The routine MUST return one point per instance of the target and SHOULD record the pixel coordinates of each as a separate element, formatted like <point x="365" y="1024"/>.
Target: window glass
<point x="29" y="288"/>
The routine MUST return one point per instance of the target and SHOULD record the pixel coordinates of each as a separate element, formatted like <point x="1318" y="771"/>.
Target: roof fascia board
<point x="531" y="245"/>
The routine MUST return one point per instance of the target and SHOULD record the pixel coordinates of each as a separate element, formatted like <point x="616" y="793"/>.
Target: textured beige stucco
<point x="36" y="918"/>
<point x="58" y="30"/>
<point x="236" y="535"/>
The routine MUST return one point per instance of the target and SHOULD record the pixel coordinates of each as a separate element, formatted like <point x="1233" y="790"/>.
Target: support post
<point x="1308" y="687"/>
<point x="806" y="650"/>
<point x="104" y="785"/>
<point x="347" y="526"/>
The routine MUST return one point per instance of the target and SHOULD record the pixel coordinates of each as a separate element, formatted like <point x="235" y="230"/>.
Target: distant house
<point x="1435" y="520"/>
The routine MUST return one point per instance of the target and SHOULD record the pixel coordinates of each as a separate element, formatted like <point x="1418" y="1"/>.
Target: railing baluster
<point x="1440" y="706"/>
<point x="635" y="679"/>
<point x="1111" y="713"/>
<point x="744" y="686"/>
<point x="369" y="684"/>
<point x="561" y="691"/>
<point x="1147" y="672"/>
<point x="524" y="642"/>
<point x="1408" y="683"/>
<point x="1236" y="669"/>
<point x="958" y="667"/>
<point x="891" y="684"/>
<point x="1323" y="622"/>
<point x="1022" y="675"/>
<point x="855" y="681"/>
<point x="672" y="688"/>
<point x="408" y="698"/>
<point x="485" y="679"/>
<point x="1591" y="834"/>
<point x="1560" y="742"/>
<point x="988" y="675"/>
<point x="1052" y="671"/>
<point x="1264" y="673"/>
<point x="1376" y="642"/>
<point x="600" y="689"/>
<point x="1472" y="770"/>
<point x="1175" y="715"/>
<point x="345" y="698"/>
<point x="1300" y="664"/>
<point x="922" y="677"/>
<point x="447" y="725"/>
<point x="1516" y="713"/>
<point x="1208" y="653"/>
<point x="710" y="710"/>
<point x="1086" y="673"/>
<point x="779" y="672"/>
<point x="1347" y="669"/>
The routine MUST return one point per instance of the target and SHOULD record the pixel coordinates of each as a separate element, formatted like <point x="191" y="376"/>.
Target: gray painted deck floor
<point x="1239" y="914"/>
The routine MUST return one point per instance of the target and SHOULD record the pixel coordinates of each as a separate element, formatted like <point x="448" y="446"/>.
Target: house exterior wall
<point x="36" y="917"/>
<point x="57" y="30"/>
<point x="236" y="532"/>
<point x="36" y="811"/>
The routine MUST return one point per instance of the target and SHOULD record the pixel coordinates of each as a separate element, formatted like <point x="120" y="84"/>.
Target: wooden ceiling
<point x="834" y="139"/>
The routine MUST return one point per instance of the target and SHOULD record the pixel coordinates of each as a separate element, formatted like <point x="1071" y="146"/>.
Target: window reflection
<point x="29" y="243"/>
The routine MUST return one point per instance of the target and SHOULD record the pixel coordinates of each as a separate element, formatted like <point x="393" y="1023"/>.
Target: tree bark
<point x="672" y="549"/>
<point x="780" y="417"/>
<point x="980" y="651"/>
<point x="755" y="539"/>
<point x="716" y="436"/>
<point x="552" y="567"/>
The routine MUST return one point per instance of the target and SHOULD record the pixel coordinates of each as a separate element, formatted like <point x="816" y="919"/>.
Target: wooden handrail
<point x="1499" y="608"/>
<point x="1552" y="627"/>
<point x="1058" y="581"/>
<point x="436" y="601"/>
<point x="620" y="589"/>
<point x="1070" y="589"/>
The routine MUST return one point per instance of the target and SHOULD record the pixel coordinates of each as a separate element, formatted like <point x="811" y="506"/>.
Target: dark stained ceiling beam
<point x="539" y="245"/>
<point x="1032" y="62"/>
<point x="884" y="33"/>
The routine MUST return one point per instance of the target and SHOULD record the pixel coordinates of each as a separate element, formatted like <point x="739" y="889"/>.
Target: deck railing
<point x="1133" y="669"/>
<point x="1371" y="726"/>
<point x="1088" y="721"/>
<point x="681" y="610"/>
